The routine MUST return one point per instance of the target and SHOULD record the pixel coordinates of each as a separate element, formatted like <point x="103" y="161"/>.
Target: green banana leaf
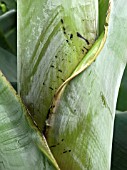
<point x="8" y="65"/>
<point x="59" y="34"/>
<point x="8" y="31"/>
<point x="119" y="150"/>
<point x="22" y="147"/>
<point x="103" y="6"/>
<point x="9" y="4"/>
<point x="80" y="124"/>
<point x="122" y="98"/>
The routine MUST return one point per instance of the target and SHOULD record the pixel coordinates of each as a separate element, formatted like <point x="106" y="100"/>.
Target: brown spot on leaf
<point x="62" y="21"/>
<point x="71" y="36"/>
<point x="80" y="36"/>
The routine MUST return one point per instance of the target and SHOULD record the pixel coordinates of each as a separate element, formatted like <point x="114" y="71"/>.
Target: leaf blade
<point x="119" y="150"/>
<point x="8" y="65"/>
<point x="21" y="144"/>
<point x="64" y="36"/>
<point x="84" y="112"/>
<point x="103" y="7"/>
<point x="122" y="98"/>
<point x="8" y="31"/>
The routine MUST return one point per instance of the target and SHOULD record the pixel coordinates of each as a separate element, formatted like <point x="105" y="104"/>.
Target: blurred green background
<point x="8" y="40"/>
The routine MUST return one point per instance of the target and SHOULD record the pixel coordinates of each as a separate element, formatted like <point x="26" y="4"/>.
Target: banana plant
<point x="119" y="159"/>
<point x="122" y="98"/>
<point x="60" y="37"/>
<point x="21" y="145"/>
<point x="71" y="59"/>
